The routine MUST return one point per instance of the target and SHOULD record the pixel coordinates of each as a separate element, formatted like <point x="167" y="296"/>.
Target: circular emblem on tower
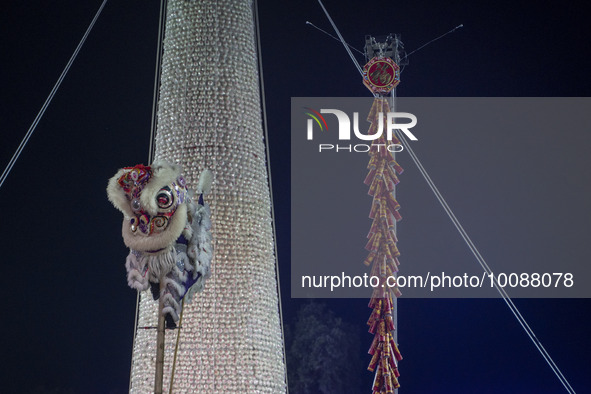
<point x="381" y="75"/>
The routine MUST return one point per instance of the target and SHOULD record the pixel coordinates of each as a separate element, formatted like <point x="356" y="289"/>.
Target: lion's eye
<point x="164" y="198"/>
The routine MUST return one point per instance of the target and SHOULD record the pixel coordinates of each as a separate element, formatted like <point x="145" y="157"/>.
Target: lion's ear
<point x="204" y="184"/>
<point x="117" y="195"/>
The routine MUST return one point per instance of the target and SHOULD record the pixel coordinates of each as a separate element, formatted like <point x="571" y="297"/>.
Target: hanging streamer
<point x="383" y="253"/>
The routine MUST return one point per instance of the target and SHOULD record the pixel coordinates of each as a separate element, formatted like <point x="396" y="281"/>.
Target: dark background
<point x="68" y="314"/>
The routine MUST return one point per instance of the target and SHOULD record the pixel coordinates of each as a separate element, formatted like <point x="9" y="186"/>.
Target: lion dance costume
<point x="168" y="233"/>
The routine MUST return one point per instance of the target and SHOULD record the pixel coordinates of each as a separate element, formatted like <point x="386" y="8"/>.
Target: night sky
<point x="69" y="314"/>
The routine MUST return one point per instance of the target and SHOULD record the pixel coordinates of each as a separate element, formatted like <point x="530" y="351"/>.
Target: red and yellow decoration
<point x="383" y="253"/>
<point x="381" y="75"/>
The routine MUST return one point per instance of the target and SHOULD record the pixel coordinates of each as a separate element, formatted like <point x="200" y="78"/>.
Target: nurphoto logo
<point x="344" y="130"/>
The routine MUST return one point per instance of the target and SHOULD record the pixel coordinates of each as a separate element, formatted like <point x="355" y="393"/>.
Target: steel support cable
<point x="160" y="40"/>
<point x="355" y="62"/>
<point x="433" y="40"/>
<point x="341" y="38"/>
<point x="333" y="37"/>
<point x="537" y="343"/>
<point x="159" y="45"/>
<point x="268" y="159"/>
<point x="49" y="98"/>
